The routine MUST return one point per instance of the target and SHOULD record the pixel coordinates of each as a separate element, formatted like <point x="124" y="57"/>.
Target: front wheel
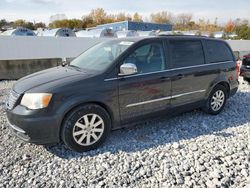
<point x="216" y="100"/>
<point x="86" y="128"/>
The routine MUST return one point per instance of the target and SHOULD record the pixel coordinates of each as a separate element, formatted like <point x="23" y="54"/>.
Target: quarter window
<point x="218" y="51"/>
<point x="186" y="53"/>
<point x="148" y="58"/>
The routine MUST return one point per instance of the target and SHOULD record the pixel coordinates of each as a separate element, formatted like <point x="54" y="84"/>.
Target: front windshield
<point x="100" y="56"/>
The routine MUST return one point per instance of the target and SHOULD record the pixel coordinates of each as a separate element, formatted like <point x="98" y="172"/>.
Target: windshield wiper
<point x="75" y="67"/>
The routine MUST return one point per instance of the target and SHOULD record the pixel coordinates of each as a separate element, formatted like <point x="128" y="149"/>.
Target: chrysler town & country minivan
<point x="119" y="82"/>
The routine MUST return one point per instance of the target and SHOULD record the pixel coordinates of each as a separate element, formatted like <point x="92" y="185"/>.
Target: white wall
<point x="14" y="47"/>
<point x="21" y="47"/>
<point x="239" y="45"/>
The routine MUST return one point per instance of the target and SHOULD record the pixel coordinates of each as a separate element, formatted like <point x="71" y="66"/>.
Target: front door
<point x="148" y="91"/>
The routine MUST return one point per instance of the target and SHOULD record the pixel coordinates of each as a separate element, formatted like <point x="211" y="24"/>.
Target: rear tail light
<point x="238" y="63"/>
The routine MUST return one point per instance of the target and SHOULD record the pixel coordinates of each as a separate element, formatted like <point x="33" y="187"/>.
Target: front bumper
<point x="33" y="128"/>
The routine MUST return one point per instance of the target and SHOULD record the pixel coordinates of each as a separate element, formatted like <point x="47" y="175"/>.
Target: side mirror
<point x="64" y="61"/>
<point x="127" y="69"/>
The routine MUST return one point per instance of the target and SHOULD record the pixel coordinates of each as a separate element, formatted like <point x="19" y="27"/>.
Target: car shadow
<point x="163" y="131"/>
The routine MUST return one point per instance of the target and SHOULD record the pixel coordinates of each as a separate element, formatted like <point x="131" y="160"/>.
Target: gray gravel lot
<point x="190" y="150"/>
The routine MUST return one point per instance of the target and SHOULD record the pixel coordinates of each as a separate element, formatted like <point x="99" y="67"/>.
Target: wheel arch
<point x="220" y="81"/>
<point x="73" y="107"/>
<point x="226" y="85"/>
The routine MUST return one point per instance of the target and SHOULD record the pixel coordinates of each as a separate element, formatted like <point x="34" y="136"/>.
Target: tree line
<point x="180" y="22"/>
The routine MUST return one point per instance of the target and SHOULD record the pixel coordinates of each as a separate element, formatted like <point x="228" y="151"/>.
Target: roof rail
<point x="179" y="35"/>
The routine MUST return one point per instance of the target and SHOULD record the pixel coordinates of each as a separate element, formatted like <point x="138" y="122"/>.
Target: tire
<point x="219" y="92"/>
<point x="86" y="128"/>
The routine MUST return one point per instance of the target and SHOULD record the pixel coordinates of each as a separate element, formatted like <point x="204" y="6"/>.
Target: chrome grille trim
<point x="12" y="99"/>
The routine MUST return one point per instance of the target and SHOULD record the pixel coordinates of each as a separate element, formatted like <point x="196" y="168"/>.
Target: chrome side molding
<point x="164" y="98"/>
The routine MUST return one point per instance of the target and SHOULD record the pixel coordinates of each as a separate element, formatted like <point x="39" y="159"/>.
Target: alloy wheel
<point x="88" y="129"/>
<point x="218" y="100"/>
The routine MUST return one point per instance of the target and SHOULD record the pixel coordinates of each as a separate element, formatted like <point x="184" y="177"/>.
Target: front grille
<point x="12" y="100"/>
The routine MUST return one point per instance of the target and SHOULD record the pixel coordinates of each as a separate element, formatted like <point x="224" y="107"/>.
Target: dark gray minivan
<point x="119" y="82"/>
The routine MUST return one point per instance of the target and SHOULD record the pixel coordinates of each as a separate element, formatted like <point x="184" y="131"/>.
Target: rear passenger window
<point x="186" y="53"/>
<point x="218" y="52"/>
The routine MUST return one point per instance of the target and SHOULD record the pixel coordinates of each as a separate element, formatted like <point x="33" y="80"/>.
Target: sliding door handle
<point x="180" y="76"/>
<point x="164" y="78"/>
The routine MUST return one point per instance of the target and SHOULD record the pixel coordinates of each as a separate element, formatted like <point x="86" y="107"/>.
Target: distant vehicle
<point x="97" y="33"/>
<point x="118" y="82"/>
<point x="147" y="33"/>
<point x="59" y="32"/>
<point x="124" y="34"/>
<point x="245" y="68"/>
<point x="20" y="31"/>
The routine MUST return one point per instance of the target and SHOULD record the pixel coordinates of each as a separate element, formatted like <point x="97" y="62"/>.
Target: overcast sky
<point x="41" y="10"/>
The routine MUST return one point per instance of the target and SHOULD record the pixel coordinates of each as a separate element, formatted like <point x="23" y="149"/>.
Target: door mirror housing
<point x="64" y="62"/>
<point x="127" y="69"/>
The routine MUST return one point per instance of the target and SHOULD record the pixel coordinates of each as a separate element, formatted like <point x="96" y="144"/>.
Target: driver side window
<point x="148" y="58"/>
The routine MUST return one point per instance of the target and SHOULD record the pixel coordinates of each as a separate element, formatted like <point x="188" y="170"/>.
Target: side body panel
<point x="143" y="95"/>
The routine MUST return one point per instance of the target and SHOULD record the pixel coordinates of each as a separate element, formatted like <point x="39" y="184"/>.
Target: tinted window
<point x="143" y="51"/>
<point x="186" y="53"/>
<point x="218" y="51"/>
<point x="148" y="58"/>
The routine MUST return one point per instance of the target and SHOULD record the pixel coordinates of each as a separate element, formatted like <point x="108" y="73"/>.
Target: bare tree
<point x="98" y="15"/>
<point x="137" y="17"/>
<point x="229" y="27"/>
<point x="184" y="19"/>
<point x="162" y="17"/>
<point x="122" y="17"/>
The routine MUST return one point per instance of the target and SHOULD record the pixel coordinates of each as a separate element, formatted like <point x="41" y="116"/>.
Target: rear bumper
<point x="233" y="87"/>
<point x="38" y="130"/>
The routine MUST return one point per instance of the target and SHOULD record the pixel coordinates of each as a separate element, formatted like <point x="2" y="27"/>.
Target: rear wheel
<point x="86" y="128"/>
<point x="216" y="100"/>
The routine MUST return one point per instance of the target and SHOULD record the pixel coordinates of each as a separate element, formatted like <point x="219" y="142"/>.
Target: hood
<point x="47" y="76"/>
<point x="246" y="56"/>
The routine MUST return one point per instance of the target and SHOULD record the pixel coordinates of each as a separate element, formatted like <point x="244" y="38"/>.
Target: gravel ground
<point x="190" y="150"/>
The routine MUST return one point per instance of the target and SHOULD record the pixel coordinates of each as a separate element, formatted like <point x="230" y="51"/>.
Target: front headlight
<point x="36" y="100"/>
